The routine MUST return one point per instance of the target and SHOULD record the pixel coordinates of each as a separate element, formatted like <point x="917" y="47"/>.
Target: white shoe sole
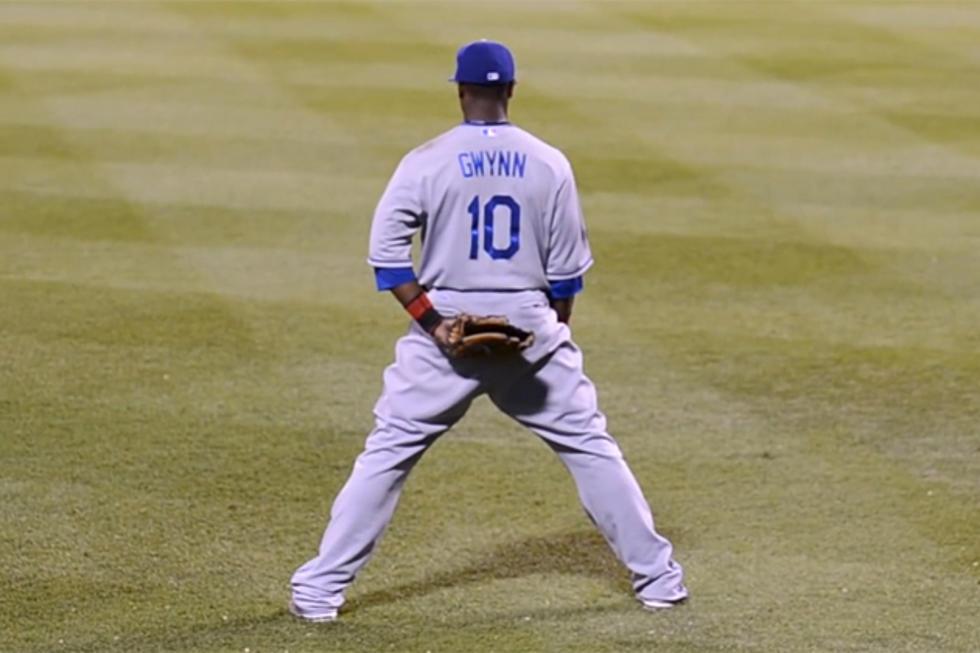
<point x="314" y="617"/>
<point x="655" y="605"/>
<point x="665" y="604"/>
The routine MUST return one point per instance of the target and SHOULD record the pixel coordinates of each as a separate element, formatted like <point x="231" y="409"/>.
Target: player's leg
<point x="421" y="399"/>
<point x="558" y="402"/>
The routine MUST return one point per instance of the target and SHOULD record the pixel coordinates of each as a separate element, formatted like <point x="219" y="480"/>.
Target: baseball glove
<point x="478" y="336"/>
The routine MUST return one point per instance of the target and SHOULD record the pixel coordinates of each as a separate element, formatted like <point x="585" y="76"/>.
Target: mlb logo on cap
<point x="484" y="62"/>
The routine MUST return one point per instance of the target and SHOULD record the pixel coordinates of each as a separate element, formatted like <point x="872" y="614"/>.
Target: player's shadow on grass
<point x="582" y="552"/>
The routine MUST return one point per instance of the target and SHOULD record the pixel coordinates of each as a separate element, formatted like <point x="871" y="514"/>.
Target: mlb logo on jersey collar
<point x="488" y="128"/>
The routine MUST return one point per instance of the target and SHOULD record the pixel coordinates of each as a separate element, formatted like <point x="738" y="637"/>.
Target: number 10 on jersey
<point x="508" y="205"/>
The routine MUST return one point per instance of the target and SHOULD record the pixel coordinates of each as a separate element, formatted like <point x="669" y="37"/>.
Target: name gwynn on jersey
<point x="492" y="163"/>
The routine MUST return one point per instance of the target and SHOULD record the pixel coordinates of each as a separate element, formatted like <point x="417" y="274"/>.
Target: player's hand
<point x="441" y="334"/>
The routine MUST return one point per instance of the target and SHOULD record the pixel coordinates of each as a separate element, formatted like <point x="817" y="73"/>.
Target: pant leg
<point x="421" y="399"/>
<point x="558" y="402"/>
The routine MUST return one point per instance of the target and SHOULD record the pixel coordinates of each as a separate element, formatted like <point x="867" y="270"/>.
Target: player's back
<point x="495" y="206"/>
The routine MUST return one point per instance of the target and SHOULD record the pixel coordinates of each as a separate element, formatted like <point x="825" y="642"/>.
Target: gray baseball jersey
<point x="497" y="209"/>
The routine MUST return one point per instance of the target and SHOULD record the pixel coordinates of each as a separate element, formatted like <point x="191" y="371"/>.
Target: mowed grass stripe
<point x="246" y="152"/>
<point x="167" y="116"/>
<point x="382" y="15"/>
<point x="247" y="111"/>
<point x="57" y="216"/>
<point x="717" y="147"/>
<point x="267" y="273"/>
<point x="67" y="83"/>
<point x="951" y="27"/>
<point x="152" y="183"/>
<point x="901" y="228"/>
<point x="791" y="291"/>
<point x="194" y="59"/>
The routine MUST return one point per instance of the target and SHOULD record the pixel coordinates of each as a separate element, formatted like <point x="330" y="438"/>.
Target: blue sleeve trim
<point x="388" y="278"/>
<point x="567" y="288"/>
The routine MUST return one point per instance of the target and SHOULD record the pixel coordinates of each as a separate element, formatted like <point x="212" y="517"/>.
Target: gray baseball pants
<point x="425" y="393"/>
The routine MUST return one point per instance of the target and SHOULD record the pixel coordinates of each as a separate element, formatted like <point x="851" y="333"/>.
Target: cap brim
<point x="509" y="81"/>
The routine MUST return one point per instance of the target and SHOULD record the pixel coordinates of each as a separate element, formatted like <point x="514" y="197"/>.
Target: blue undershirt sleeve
<point x="567" y="288"/>
<point x="388" y="278"/>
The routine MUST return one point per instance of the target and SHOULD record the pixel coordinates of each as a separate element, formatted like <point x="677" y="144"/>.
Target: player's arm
<point x="563" y="308"/>
<point x="561" y="296"/>
<point x="413" y="298"/>
<point x="398" y="217"/>
<point x="569" y="255"/>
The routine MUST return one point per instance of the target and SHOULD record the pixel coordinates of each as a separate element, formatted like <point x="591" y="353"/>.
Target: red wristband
<point x="418" y="306"/>
<point x="423" y="312"/>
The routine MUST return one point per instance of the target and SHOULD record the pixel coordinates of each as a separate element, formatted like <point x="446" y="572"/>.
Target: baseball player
<point x="502" y="234"/>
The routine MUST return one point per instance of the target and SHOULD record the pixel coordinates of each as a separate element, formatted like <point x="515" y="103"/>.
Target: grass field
<point x="784" y="202"/>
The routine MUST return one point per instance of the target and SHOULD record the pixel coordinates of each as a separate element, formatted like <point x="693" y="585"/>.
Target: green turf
<point x="784" y="201"/>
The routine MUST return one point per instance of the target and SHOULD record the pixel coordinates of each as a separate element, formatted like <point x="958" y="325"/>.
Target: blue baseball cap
<point x="484" y="62"/>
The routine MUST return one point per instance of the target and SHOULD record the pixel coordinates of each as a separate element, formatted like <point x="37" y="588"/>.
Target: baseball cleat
<point x="322" y="616"/>
<point x="680" y="596"/>
<point x="655" y="605"/>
